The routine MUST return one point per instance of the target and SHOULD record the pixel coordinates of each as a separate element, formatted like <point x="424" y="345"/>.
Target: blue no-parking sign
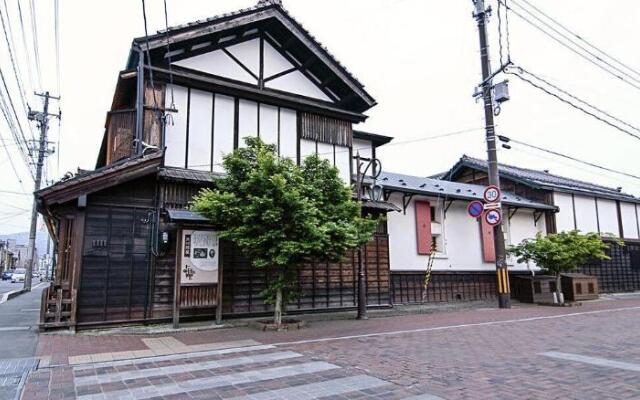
<point x="475" y="208"/>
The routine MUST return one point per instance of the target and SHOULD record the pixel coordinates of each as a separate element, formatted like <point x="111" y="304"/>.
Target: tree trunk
<point x="277" y="317"/>
<point x="559" y="294"/>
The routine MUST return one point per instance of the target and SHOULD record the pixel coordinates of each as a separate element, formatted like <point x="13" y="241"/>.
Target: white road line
<point x="446" y="327"/>
<point x="177" y="369"/>
<point x="256" y="375"/>
<point x="309" y="391"/>
<point x="171" y="357"/>
<point x="425" y="396"/>
<point x="601" y="362"/>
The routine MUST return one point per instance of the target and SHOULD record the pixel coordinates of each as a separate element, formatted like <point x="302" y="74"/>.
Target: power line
<point x="34" y="30"/>
<point x="25" y="46"/>
<point x="555" y="153"/>
<point x="578" y="107"/>
<point x="56" y="26"/>
<point x="584" y="56"/>
<point x="580" y="37"/>
<point x="13" y="109"/>
<point x="13" y="167"/>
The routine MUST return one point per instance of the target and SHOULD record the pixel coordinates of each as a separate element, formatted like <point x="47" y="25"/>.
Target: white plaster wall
<point x="307" y="148"/>
<point x="222" y="130"/>
<point x="296" y="82"/>
<point x="248" y="53"/>
<point x="269" y="124"/>
<point x="522" y="226"/>
<point x="629" y="221"/>
<point x="175" y="135"/>
<point x="200" y="130"/>
<point x="247" y="120"/>
<point x="342" y="163"/>
<point x="325" y="152"/>
<point x="586" y="213"/>
<point x="217" y="63"/>
<point x="274" y="62"/>
<point x="564" y="218"/>
<point x="608" y="217"/>
<point x="288" y="133"/>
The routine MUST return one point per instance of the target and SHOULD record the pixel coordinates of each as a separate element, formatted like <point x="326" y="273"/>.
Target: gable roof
<point x="539" y="179"/>
<point x="89" y="182"/>
<point x="453" y="190"/>
<point x="270" y="16"/>
<point x="375" y="138"/>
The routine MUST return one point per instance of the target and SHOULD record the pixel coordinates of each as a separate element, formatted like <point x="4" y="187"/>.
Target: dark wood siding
<point x="408" y="286"/>
<point x="114" y="281"/>
<point x="322" y="286"/>
<point x="619" y="274"/>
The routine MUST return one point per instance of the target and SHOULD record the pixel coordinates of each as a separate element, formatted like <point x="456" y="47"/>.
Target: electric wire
<point x="519" y="68"/>
<point x="558" y="154"/>
<point x="17" y="133"/>
<point x="578" y="107"/>
<point x="146" y="38"/>
<point x="13" y="167"/>
<point x="25" y="47"/>
<point x="8" y="36"/>
<point x="572" y="49"/>
<point x="580" y="37"/>
<point x="34" y="31"/>
<point x="56" y="27"/>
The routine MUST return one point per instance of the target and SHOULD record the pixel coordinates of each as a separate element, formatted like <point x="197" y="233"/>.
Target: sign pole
<point x="481" y="14"/>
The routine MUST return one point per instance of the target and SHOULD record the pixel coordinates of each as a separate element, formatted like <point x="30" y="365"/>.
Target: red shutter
<point x="488" y="244"/>
<point x="423" y="226"/>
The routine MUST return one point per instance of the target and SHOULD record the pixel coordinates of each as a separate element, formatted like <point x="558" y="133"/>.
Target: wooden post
<point x="219" y="291"/>
<point x="74" y="284"/>
<point x="176" y="284"/>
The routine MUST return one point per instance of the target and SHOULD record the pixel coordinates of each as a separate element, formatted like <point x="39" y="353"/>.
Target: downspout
<point x="139" y="100"/>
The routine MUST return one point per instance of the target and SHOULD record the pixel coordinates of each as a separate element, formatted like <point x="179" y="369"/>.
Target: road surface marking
<point x="333" y="387"/>
<point x="446" y="327"/>
<point x="601" y="362"/>
<point x="252" y="376"/>
<point x="178" y="369"/>
<point x="170" y="357"/>
<point x="14" y="328"/>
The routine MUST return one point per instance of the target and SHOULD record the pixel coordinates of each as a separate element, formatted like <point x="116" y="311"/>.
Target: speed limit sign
<point x="492" y="194"/>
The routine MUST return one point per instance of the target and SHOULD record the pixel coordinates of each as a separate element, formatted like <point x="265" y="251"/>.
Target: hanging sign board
<point x="199" y="257"/>
<point x="475" y="208"/>
<point x="492" y="194"/>
<point x="493" y="217"/>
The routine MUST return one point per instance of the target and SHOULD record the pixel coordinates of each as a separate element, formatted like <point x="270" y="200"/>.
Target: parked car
<point x="18" y="275"/>
<point x="6" y="275"/>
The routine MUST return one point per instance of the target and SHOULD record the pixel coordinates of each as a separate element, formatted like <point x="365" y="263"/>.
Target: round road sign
<point x="491" y="194"/>
<point x="475" y="208"/>
<point x="493" y="217"/>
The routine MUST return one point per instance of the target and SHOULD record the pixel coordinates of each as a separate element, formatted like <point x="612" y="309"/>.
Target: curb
<point x="10" y="295"/>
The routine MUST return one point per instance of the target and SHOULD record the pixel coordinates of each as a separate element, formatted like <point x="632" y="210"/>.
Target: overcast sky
<point x="417" y="58"/>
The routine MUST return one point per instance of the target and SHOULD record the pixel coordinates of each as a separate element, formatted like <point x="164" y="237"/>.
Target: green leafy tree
<point x="560" y="252"/>
<point x="280" y="214"/>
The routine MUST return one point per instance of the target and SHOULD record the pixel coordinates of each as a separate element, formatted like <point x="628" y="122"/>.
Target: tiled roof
<point x="543" y="180"/>
<point x="453" y="190"/>
<point x="188" y="174"/>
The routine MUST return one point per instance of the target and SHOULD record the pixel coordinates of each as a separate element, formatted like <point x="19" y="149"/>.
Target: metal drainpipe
<point x="139" y="100"/>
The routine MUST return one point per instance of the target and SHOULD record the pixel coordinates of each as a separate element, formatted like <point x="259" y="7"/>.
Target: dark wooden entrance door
<point x="114" y="280"/>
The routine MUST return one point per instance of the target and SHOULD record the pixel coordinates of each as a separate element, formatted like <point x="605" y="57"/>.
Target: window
<point x="433" y="214"/>
<point x="434" y="242"/>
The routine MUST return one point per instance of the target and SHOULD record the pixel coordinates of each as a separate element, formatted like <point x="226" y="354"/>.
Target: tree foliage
<point x="280" y="214"/>
<point x="561" y="252"/>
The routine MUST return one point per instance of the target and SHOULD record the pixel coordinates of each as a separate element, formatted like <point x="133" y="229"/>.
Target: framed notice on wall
<point x="199" y="259"/>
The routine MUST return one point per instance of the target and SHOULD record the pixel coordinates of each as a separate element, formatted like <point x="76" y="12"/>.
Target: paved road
<point x="588" y="352"/>
<point x="18" y="339"/>
<point x="7" y="286"/>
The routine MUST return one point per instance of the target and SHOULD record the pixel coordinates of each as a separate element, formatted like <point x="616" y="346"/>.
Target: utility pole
<point x="42" y="119"/>
<point x="481" y="15"/>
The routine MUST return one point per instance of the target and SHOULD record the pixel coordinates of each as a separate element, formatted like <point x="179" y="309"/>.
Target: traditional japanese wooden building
<point x="584" y="206"/>
<point x="126" y="241"/>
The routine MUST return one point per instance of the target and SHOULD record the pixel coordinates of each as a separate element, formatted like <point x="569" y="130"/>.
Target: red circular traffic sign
<point x="493" y="217"/>
<point x="491" y="194"/>
<point x="475" y="208"/>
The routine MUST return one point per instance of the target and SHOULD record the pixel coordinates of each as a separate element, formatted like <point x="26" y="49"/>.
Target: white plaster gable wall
<point x="296" y="82"/>
<point x="564" y="217"/>
<point x="217" y="63"/>
<point x="248" y="53"/>
<point x="274" y="62"/>
<point x="608" y="217"/>
<point x="629" y="220"/>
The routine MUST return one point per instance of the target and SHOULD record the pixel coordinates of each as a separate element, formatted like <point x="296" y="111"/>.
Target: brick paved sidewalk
<point x="55" y="349"/>
<point x="587" y="352"/>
